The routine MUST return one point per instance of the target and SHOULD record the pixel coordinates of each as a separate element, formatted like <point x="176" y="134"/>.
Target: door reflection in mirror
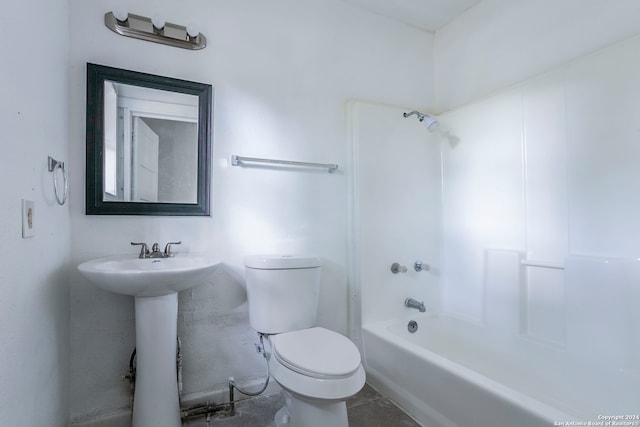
<point x="150" y="145"/>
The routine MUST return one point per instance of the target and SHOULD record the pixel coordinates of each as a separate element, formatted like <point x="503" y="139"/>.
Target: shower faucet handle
<point x="397" y="268"/>
<point x="421" y="266"/>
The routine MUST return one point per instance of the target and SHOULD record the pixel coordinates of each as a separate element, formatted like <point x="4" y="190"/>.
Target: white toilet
<point x="318" y="369"/>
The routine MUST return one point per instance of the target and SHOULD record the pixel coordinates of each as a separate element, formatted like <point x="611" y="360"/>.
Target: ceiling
<point x="428" y="15"/>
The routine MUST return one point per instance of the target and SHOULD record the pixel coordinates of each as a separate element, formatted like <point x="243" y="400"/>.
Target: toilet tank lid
<point x="281" y="262"/>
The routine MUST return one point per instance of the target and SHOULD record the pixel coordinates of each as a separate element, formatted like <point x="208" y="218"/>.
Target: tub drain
<point x="412" y="326"/>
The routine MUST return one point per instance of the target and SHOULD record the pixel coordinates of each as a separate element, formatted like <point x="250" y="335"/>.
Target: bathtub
<point x="453" y="373"/>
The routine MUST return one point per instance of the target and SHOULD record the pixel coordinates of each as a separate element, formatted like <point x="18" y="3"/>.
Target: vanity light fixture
<point x="154" y="29"/>
<point x="158" y="22"/>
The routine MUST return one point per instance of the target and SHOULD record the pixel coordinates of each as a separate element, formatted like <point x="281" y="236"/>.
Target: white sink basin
<point x="149" y="277"/>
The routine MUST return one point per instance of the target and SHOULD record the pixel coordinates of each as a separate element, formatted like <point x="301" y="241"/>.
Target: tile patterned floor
<point x="368" y="408"/>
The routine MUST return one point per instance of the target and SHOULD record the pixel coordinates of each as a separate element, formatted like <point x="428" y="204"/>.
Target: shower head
<point x="431" y="123"/>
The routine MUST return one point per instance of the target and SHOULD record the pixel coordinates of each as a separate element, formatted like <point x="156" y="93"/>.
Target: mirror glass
<point x="148" y="144"/>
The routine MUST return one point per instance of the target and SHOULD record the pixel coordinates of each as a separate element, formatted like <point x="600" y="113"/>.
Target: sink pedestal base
<point x="156" y="401"/>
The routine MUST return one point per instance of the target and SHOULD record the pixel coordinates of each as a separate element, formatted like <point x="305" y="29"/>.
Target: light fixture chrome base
<point x="141" y="27"/>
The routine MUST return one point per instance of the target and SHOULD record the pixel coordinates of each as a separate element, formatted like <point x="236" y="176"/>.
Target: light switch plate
<point x="27" y="218"/>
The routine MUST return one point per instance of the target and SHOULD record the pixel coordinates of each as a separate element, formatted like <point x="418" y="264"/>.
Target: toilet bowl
<point x="318" y="369"/>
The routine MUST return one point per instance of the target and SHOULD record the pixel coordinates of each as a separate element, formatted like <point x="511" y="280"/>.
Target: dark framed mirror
<point x="148" y="144"/>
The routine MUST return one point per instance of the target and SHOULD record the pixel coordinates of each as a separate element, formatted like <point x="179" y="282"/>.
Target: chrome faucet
<point x="411" y="303"/>
<point x="155" y="250"/>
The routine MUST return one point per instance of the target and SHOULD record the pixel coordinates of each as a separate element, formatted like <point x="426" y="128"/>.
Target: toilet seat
<point x="317" y="352"/>
<point x="317" y="363"/>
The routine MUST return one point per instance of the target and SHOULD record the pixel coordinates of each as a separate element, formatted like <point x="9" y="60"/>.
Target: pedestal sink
<point x="155" y="283"/>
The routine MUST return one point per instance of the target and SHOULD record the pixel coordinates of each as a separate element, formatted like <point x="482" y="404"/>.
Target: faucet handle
<point x="167" y="249"/>
<point x="397" y="268"/>
<point x="421" y="266"/>
<point x="144" y="250"/>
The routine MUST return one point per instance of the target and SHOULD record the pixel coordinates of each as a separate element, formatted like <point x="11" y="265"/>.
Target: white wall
<point x="499" y="43"/>
<point x="34" y="300"/>
<point x="282" y="72"/>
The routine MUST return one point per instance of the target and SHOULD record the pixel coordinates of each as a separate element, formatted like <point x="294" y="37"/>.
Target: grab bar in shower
<point x="543" y="264"/>
<point x="237" y="161"/>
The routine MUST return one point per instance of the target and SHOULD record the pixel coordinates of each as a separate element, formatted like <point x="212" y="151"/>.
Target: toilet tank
<point x="283" y="292"/>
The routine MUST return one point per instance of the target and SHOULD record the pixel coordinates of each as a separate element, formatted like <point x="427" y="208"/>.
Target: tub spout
<point x="411" y="303"/>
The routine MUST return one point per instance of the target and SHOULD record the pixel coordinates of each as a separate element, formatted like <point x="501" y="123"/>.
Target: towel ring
<point x="53" y="165"/>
